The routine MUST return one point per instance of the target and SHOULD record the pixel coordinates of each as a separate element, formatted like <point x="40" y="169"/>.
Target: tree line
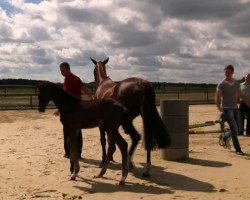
<point x="158" y="86"/>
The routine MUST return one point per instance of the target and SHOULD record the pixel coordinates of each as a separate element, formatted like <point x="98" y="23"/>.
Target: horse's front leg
<point x="103" y="143"/>
<point x="146" y="171"/>
<point x="74" y="163"/>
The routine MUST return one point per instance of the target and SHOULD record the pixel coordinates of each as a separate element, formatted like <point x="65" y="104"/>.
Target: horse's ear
<point x="105" y="61"/>
<point x="93" y="61"/>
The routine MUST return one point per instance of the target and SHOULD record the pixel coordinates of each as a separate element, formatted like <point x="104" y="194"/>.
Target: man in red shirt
<point x="73" y="85"/>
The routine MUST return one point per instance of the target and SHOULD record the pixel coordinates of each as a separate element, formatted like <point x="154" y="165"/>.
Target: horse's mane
<point x="66" y="95"/>
<point x="56" y="89"/>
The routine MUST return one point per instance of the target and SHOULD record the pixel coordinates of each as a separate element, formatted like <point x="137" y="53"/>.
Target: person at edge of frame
<point x="244" y="108"/>
<point x="226" y="99"/>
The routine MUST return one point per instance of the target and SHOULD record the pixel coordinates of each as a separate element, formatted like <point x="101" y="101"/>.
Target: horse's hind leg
<point x="72" y="167"/>
<point x="123" y="146"/>
<point x="115" y="136"/>
<point x="135" y="137"/>
<point x="146" y="171"/>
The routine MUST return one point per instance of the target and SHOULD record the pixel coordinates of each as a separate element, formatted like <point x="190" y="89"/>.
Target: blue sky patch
<point x="33" y="1"/>
<point x="5" y="5"/>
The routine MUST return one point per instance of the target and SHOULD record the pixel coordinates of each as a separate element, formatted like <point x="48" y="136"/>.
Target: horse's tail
<point x="155" y="132"/>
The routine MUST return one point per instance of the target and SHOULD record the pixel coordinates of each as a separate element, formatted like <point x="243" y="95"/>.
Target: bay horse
<point x="138" y="96"/>
<point x="76" y="113"/>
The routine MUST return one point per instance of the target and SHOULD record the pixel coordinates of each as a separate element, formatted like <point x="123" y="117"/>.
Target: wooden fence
<point x="25" y="97"/>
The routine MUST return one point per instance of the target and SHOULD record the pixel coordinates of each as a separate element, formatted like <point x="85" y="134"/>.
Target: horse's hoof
<point x="124" y="176"/>
<point x="98" y="176"/>
<point x="101" y="164"/>
<point x="73" y="177"/>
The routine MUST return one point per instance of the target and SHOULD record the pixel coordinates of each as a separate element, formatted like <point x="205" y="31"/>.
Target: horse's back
<point x="134" y="85"/>
<point x="131" y="92"/>
<point x="105" y="90"/>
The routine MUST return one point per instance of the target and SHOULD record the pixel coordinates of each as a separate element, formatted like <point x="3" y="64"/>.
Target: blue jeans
<point x="232" y="117"/>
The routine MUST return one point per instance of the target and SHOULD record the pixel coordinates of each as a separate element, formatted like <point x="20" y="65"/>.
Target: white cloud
<point x="172" y="41"/>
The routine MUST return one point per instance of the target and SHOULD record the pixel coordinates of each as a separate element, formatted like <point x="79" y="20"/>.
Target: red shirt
<point x="73" y="84"/>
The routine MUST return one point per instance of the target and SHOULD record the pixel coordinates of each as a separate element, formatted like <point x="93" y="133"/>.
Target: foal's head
<point x="45" y="91"/>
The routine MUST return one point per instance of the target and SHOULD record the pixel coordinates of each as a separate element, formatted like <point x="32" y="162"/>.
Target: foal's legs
<point x="79" y="141"/>
<point x="146" y="171"/>
<point x="111" y="151"/>
<point x="114" y="136"/>
<point x="74" y="155"/>
<point x="135" y="137"/>
<point x="103" y="143"/>
<point x="66" y="139"/>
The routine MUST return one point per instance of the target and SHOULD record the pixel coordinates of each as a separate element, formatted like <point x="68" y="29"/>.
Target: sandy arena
<point x="32" y="165"/>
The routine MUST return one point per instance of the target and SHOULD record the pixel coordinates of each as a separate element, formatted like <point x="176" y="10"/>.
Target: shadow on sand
<point x="97" y="186"/>
<point x="161" y="182"/>
<point x="205" y="163"/>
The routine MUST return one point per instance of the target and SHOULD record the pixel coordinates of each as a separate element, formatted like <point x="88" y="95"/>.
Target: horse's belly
<point x="90" y="124"/>
<point x="80" y="121"/>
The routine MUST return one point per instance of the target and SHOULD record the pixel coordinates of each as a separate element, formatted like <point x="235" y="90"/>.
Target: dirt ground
<point x="32" y="165"/>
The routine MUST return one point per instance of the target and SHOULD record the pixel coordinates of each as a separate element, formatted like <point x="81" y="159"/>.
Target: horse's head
<point x="100" y="70"/>
<point x="44" y="95"/>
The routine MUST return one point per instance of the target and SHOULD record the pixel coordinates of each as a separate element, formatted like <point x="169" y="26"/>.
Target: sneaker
<point x="240" y="153"/>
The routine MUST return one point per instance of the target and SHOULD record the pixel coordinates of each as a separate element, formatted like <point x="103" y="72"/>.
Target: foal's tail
<point x="155" y="132"/>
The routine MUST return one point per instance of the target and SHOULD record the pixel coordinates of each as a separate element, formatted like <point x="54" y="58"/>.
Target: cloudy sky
<point x="160" y="40"/>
